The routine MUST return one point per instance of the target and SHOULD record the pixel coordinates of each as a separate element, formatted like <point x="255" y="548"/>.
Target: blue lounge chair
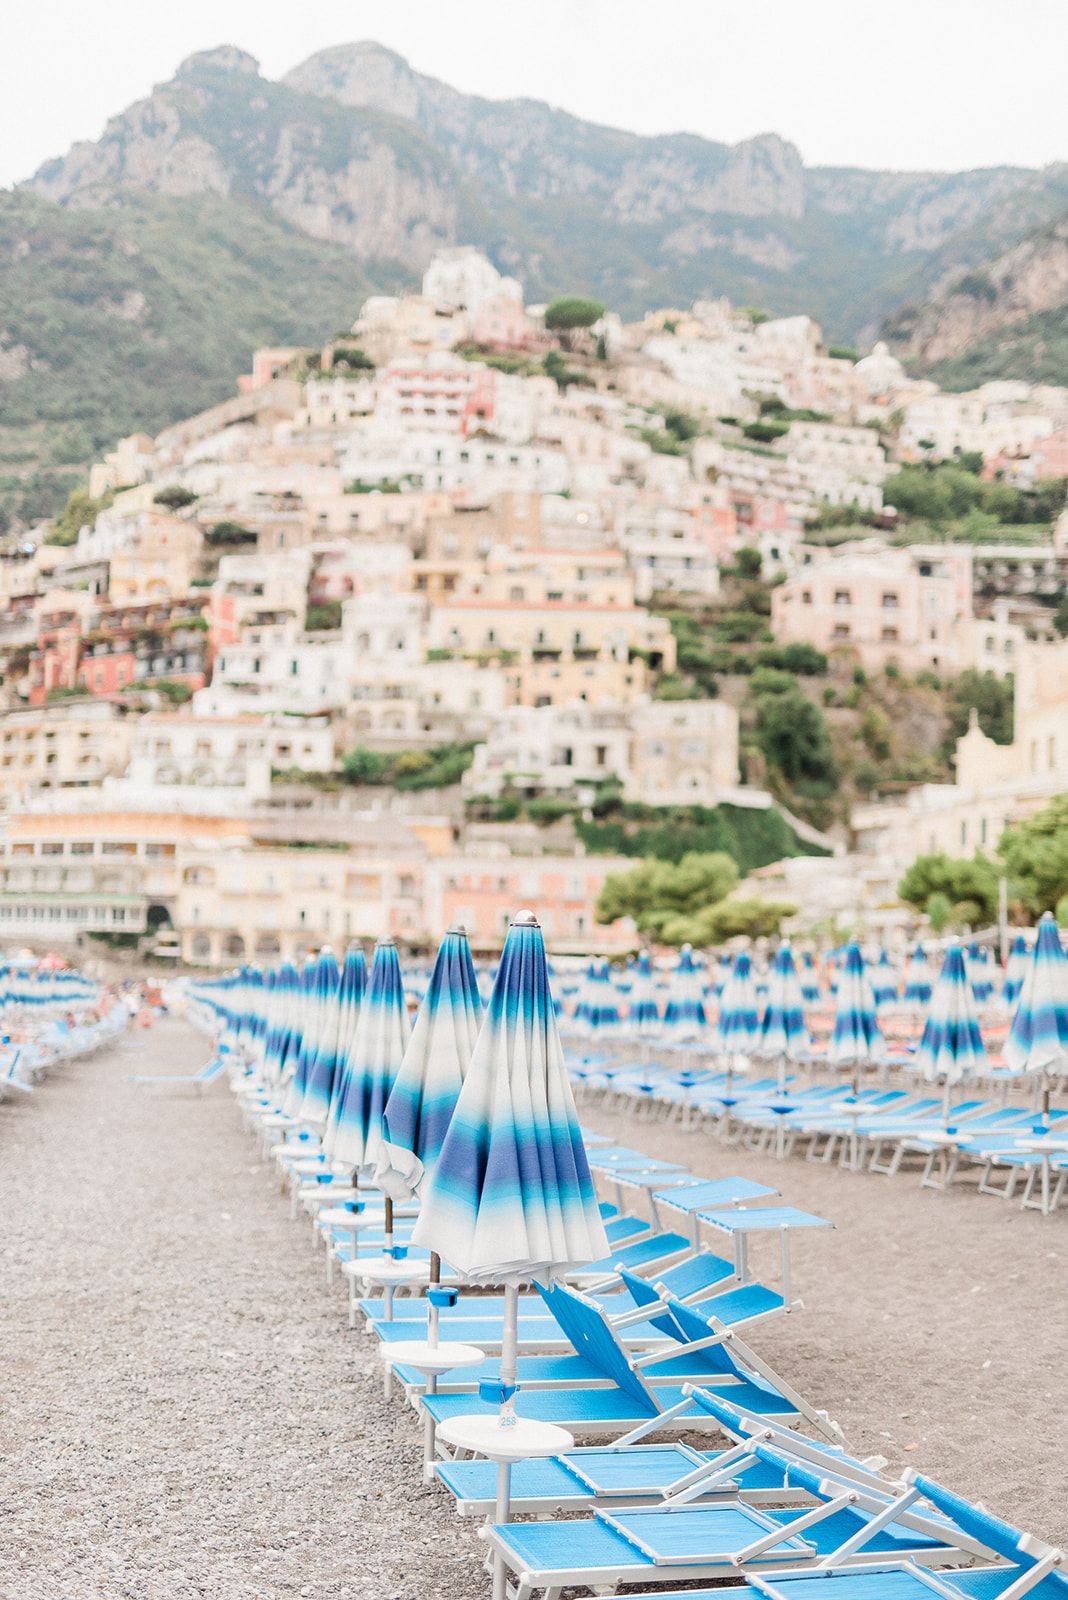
<point x="628" y="1399"/>
<point x="198" y="1080"/>
<point x="685" y="1541"/>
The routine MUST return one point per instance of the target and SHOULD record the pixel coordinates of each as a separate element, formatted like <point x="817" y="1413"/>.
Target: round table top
<point x="432" y="1358"/>
<point x="523" y="1438"/>
<point x="387" y="1269"/>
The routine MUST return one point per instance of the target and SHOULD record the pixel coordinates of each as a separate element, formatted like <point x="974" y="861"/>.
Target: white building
<point x="463" y="279"/>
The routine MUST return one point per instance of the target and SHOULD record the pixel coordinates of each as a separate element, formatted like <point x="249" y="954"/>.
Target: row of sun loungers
<point x="1011" y="1151"/>
<point x="694" y="1461"/>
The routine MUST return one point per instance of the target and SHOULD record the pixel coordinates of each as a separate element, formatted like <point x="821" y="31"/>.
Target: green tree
<point x="729" y="919"/>
<point x="658" y="890"/>
<point x="1060" y="617"/>
<point x="569" y="311"/>
<point x="366" y="766"/>
<point x="793" y="738"/>
<point x="323" y="617"/>
<point x="747" y="562"/>
<point x="229" y="533"/>
<point x="80" y="511"/>
<point x="970" y="886"/>
<point x="939" y="911"/>
<point x="1035" y="854"/>
<point x="174" y="497"/>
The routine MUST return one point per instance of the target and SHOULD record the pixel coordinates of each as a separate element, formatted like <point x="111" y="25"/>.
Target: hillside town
<point x="373" y="644"/>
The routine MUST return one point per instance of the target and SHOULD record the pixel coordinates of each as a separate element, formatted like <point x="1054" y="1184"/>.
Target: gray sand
<point x="186" y="1413"/>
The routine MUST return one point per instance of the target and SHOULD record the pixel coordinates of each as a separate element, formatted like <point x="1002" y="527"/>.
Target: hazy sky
<point x="916" y="83"/>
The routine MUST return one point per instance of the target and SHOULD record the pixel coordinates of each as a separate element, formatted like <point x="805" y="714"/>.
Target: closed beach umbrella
<point x="427" y="1086"/>
<point x="336" y="1026"/>
<point x="644" y="1014"/>
<point x="783" y="1034"/>
<point x="979" y="973"/>
<point x="510" y="1198"/>
<point x="951" y="1049"/>
<point x="857" y="1040"/>
<point x="1015" y="970"/>
<point x="918" y="979"/>
<point x="1038" y="1039"/>
<point x="884" y="980"/>
<point x="684" y="1014"/>
<point x="810" y="982"/>
<point x="737" y="1030"/>
<point x="320" y="1042"/>
<point x="354" y="1125"/>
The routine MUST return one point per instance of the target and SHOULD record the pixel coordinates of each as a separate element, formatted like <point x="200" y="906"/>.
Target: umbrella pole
<point x="945" y="1104"/>
<point x="432" y="1313"/>
<point x="388" y="1230"/>
<point x="509" y="1352"/>
<point x="509" y="1355"/>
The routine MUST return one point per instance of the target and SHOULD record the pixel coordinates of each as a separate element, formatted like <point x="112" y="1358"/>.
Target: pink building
<point x="885" y="605"/>
<point x="1049" y="456"/>
<point x="483" y="893"/>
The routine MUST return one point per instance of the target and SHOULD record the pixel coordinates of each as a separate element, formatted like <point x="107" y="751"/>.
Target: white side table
<point x="524" y="1440"/>
<point x="431" y="1360"/>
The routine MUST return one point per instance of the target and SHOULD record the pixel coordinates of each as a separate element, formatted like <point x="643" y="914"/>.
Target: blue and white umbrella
<point x="737" y="1030"/>
<point x="427" y="1086"/>
<point x="783" y="1034"/>
<point x="979" y="973"/>
<point x="510" y="1197"/>
<point x="723" y="972"/>
<point x="602" y="1012"/>
<point x="337" y="1030"/>
<point x="919" y="981"/>
<point x="1015" y="971"/>
<point x="951" y="1049"/>
<point x="321" y="1058"/>
<point x="857" y="1040"/>
<point x="684" y="1015"/>
<point x="295" y="1074"/>
<point x="1038" y="1039"/>
<point x="354" y="1125"/>
<point x="810" y="982"/>
<point x="644" y="1014"/>
<point x="883" y="981"/>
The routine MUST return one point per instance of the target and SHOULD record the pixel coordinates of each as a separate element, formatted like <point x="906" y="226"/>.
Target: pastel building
<point x="883" y="604"/>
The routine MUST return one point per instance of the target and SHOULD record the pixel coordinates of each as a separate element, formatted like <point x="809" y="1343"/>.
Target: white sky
<point x="916" y="83"/>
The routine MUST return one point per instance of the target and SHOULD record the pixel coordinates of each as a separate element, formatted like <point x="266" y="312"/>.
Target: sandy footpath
<point x="184" y="1411"/>
<point x="935" y="1326"/>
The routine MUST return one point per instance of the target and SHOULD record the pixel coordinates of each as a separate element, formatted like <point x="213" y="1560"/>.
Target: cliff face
<point x="355" y="147"/>
<point x="988" y="301"/>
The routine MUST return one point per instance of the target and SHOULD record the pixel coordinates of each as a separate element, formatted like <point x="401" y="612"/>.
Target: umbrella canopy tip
<point x="457" y="928"/>
<point x="524" y="919"/>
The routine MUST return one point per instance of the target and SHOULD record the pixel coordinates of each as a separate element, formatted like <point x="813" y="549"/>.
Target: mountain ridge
<point x="224" y="209"/>
<point x="355" y="146"/>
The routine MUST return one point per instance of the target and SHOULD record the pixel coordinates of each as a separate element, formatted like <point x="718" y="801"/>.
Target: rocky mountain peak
<point x="362" y="74"/>
<point x="224" y="58"/>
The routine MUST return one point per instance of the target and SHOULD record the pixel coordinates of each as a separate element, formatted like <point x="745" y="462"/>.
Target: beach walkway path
<point x="183" y="1411"/>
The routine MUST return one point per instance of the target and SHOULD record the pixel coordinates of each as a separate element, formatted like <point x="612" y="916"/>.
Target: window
<point x="841" y="630"/>
<point x="889" y="635"/>
<point x="890" y="601"/>
<point x="806" y="597"/>
<point x="843" y="597"/>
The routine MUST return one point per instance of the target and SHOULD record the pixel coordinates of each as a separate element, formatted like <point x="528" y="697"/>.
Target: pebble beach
<point x="187" y="1414"/>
